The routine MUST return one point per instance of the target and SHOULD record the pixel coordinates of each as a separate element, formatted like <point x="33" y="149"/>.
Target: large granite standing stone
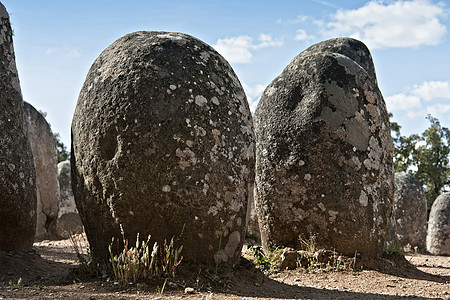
<point x="438" y="236"/>
<point x="163" y="143"/>
<point x="45" y="157"/>
<point x="324" y="169"/>
<point x="409" y="218"/>
<point x="69" y="221"/>
<point x="17" y="175"/>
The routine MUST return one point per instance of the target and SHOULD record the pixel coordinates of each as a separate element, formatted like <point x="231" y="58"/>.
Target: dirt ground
<point x="46" y="272"/>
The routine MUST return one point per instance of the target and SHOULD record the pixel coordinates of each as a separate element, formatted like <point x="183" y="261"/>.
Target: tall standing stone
<point x="163" y="143"/>
<point x="324" y="166"/>
<point x="409" y="218"/>
<point x="17" y="175"/>
<point x="438" y="236"/>
<point x="69" y="221"/>
<point x="43" y="146"/>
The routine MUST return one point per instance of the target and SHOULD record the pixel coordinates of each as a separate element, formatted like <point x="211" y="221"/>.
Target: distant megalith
<point x="45" y="157"/>
<point x="17" y="175"/>
<point x="163" y="144"/>
<point x="438" y="236"/>
<point x="409" y="218"/>
<point x="68" y="221"/>
<point x="324" y="152"/>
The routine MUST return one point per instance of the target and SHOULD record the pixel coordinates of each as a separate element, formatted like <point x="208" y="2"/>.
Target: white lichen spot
<point x="215" y="100"/>
<point x="359" y="117"/>
<point x="270" y="91"/>
<point x="166" y="188"/>
<point x="205" y="56"/>
<point x="195" y="218"/>
<point x="21" y="175"/>
<point x="188" y="123"/>
<point x="200" y="100"/>
<point x="321" y="206"/>
<point x="354" y="149"/>
<point x="205" y="188"/>
<point x="189" y="143"/>
<point x="216" y="134"/>
<point x="230" y="248"/>
<point x="213" y="211"/>
<point x="363" y="199"/>
<point x="333" y="214"/>
<point x="199" y="130"/>
<point x="301" y="163"/>
<point x="307" y="177"/>
<point x="173" y="87"/>
<point x="131" y="213"/>
<point x="11" y="167"/>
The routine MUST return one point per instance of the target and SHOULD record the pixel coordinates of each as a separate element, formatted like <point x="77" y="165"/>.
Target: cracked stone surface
<point x="324" y="166"/>
<point x="163" y="143"/>
<point x="17" y="174"/>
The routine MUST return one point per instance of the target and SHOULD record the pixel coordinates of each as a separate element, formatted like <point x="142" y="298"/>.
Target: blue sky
<point x="57" y="41"/>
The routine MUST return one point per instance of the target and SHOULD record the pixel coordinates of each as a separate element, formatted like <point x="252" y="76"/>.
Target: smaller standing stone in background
<point x="438" y="237"/>
<point x="409" y="218"/>
<point x="69" y="221"/>
<point x="43" y="146"/>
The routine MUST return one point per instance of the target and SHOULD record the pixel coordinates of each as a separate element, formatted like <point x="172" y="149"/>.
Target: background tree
<point x="424" y="156"/>
<point x="61" y="149"/>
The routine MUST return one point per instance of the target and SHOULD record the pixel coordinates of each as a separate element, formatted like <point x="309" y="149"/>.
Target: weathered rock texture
<point x="17" y="175"/>
<point x="163" y="144"/>
<point x="45" y="160"/>
<point x="438" y="236"/>
<point x="69" y="221"/>
<point x="409" y="218"/>
<point x="324" y="152"/>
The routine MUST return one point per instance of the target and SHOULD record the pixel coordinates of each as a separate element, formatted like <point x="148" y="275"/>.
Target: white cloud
<point x="326" y="3"/>
<point x="427" y="90"/>
<point x="63" y="52"/>
<point x="428" y="97"/>
<point x="402" y="102"/>
<point x="239" y="49"/>
<point x="430" y="90"/>
<point x="51" y="51"/>
<point x="438" y="109"/>
<point x="299" y="19"/>
<point x="253" y="94"/>
<point x="397" y="24"/>
<point x="303" y="36"/>
<point x="73" y="53"/>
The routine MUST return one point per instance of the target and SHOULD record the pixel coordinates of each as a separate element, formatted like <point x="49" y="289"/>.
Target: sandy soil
<point x="47" y="273"/>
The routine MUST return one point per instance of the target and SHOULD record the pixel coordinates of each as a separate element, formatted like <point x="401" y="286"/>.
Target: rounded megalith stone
<point x="324" y="153"/>
<point x="69" y="221"/>
<point x="163" y="144"/>
<point x="438" y="236"/>
<point x="409" y="218"/>
<point x="17" y="175"/>
<point x="43" y="146"/>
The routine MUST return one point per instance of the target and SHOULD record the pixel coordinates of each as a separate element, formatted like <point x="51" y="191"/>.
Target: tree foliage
<point x="425" y="156"/>
<point x="61" y="149"/>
